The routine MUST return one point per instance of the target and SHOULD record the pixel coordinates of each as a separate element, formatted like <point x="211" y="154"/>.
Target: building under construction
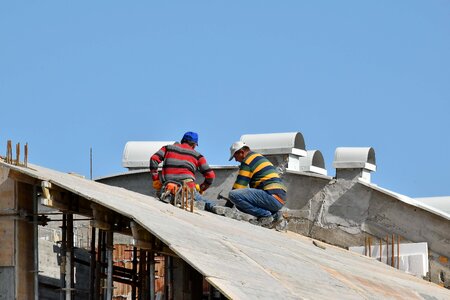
<point x="67" y="237"/>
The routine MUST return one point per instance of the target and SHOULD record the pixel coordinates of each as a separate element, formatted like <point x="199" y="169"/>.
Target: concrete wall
<point x="141" y="182"/>
<point x="342" y="212"/>
<point x="16" y="238"/>
<point x="345" y="212"/>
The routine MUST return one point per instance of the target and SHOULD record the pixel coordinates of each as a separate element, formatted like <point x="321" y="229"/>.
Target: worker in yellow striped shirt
<point x="258" y="189"/>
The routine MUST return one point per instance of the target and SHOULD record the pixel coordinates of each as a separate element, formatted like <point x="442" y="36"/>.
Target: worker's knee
<point x="236" y="196"/>
<point x="233" y="194"/>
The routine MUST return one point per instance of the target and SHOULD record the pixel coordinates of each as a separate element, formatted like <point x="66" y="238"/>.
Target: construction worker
<point x="180" y="161"/>
<point x="266" y="194"/>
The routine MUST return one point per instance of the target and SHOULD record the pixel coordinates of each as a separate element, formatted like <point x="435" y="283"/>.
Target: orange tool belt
<point x="172" y="188"/>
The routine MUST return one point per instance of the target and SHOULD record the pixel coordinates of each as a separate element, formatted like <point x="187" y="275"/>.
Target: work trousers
<point x="255" y="202"/>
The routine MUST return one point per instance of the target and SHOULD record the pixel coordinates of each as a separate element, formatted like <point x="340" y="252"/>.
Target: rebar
<point x="192" y="200"/>
<point x="17" y="154"/>
<point x="25" y="158"/>
<point x="387" y="249"/>
<point x="8" y="152"/>
<point x="392" y="256"/>
<point x="381" y="247"/>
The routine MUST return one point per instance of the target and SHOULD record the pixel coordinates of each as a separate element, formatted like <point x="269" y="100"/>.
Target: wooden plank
<point x="246" y="261"/>
<point x="7" y="209"/>
<point x="7" y="238"/>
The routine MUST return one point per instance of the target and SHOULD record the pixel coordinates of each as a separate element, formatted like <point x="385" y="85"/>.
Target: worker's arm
<point x="155" y="160"/>
<point x="207" y="172"/>
<point x="243" y="178"/>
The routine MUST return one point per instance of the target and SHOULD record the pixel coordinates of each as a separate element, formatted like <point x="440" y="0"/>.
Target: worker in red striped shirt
<point x="180" y="161"/>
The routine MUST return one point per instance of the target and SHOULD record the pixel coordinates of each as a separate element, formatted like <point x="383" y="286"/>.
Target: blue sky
<point x="343" y="73"/>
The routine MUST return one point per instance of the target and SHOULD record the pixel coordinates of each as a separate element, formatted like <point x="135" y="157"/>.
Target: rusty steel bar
<point x="381" y="247"/>
<point x="365" y="246"/>
<point x="25" y="158"/>
<point x="185" y="197"/>
<point x="392" y="256"/>
<point x="90" y="163"/>
<point x="182" y="197"/>
<point x="398" y="251"/>
<point x="387" y="249"/>
<point x="8" y="152"/>
<point x="369" y="239"/>
<point x="17" y="154"/>
<point x="192" y="199"/>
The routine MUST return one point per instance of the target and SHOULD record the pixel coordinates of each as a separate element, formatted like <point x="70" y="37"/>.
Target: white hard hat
<point x="236" y="147"/>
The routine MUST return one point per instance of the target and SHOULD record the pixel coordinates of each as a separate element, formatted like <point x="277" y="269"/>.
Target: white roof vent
<point x="351" y="162"/>
<point x="136" y="155"/>
<point x="313" y="162"/>
<point x="276" y="143"/>
<point x="355" y="158"/>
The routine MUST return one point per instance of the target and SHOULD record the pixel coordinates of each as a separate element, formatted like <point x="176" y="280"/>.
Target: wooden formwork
<point x="123" y="257"/>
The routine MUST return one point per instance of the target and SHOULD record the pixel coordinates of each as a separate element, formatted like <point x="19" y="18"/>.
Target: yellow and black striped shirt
<point x="257" y="172"/>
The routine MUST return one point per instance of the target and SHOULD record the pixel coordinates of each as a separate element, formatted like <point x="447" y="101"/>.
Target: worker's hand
<point x="157" y="185"/>
<point x="203" y="188"/>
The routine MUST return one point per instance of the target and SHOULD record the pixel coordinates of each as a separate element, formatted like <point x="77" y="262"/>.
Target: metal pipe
<point x="92" y="266"/>
<point x="69" y="258"/>
<point x="109" y="257"/>
<point x="90" y="163"/>
<point x="134" y="275"/>
<point x="98" y="268"/>
<point x="62" y="252"/>
<point x="142" y="266"/>
<point x="151" y="261"/>
<point x="169" y="277"/>
<point x="35" y="244"/>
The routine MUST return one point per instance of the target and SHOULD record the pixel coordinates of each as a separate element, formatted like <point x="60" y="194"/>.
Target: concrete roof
<point x="440" y="203"/>
<point x="245" y="261"/>
<point x="147" y="170"/>
<point x="440" y="210"/>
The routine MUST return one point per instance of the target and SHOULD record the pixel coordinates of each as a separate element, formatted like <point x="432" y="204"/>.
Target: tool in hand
<point x="220" y="197"/>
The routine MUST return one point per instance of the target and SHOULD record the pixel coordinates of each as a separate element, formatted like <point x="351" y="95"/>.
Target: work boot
<point x="277" y="216"/>
<point x="200" y="205"/>
<point x="281" y="226"/>
<point x="279" y="222"/>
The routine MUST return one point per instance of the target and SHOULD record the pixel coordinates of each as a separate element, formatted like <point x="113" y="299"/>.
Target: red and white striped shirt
<point x="180" y="162"/>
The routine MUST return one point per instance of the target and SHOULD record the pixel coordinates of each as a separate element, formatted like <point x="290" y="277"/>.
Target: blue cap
<point x="190" y="137"/>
